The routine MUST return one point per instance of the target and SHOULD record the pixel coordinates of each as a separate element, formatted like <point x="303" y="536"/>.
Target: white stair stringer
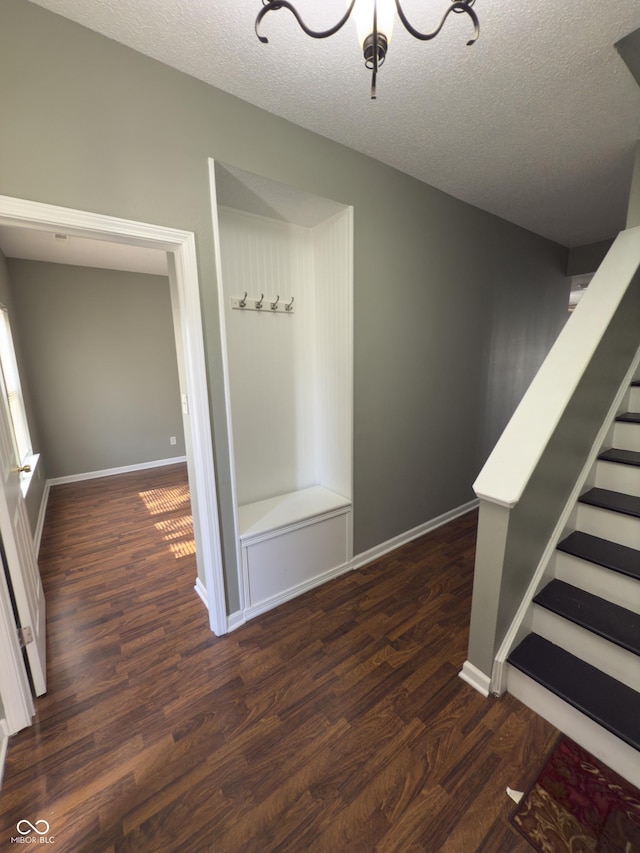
<point x="613" y="752"/>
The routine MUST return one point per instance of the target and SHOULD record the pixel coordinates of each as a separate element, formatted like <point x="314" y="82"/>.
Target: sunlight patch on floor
<point x="158" y="501"/>
<point x="177" y="532"/>
<point x="182" y="549"/>
<point x="175" y="528"/>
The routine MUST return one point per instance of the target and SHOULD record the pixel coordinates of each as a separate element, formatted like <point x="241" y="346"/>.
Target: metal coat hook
<point x="259" y="303"/>
<point x="243" y="301"/>
<point x="288" y="306"/>
<point x="274" y="305"/>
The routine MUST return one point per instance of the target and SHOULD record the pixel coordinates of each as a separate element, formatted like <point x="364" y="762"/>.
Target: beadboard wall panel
<point x="271" y="355"/>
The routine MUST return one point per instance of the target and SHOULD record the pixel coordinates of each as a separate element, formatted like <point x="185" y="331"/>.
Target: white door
<point x="20" y="555"/>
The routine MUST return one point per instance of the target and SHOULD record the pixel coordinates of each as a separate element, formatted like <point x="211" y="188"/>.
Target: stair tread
<point x="605" y="700"/>
<point x="624" y="457"/>
<point x="629" y="418"/>
<point x="610" y="555"/>
<point x="614" y="501"/>
<point x="607" y="620"/>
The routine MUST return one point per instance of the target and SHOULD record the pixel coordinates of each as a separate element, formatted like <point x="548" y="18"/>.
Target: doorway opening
<point x="179" y="247"/>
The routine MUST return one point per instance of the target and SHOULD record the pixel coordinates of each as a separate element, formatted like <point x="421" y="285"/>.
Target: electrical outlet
<point x="172" y="440"/>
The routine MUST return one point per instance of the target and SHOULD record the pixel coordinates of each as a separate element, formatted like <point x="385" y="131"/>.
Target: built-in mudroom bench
<point x="292" y="542"/>
<point x="284" y="261"/>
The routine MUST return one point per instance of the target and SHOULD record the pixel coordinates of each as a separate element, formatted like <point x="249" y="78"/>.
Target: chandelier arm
<point x="272" y="5"/>
<point x="374" y="72"/>
<point x="456" y="6"/>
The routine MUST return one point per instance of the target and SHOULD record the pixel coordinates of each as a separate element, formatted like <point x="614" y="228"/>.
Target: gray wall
<point x="528" y="310"/>
<point x="586" y="259"/>
<point x="100" y="364"/>
<point x="90" y="124"/>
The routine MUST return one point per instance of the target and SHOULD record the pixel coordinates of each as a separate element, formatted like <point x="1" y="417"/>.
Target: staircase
<point x="579" y="666"/>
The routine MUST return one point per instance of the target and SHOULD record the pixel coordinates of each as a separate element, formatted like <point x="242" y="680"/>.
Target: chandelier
<point x="374" y="24"/>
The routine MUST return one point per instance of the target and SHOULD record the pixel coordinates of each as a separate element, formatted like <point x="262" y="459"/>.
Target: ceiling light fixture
<point x="374" y="24"/>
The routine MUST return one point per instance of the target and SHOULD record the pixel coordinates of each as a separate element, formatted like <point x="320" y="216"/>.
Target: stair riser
<point x="613" y="752"/>
<point x="626" y="436"/>
<point x="615" y="526"/>
<point x="618" y="478"/>
<point x="612" y="586"/>
<point x="607" y="657"/>
<point x="634" y="400"/>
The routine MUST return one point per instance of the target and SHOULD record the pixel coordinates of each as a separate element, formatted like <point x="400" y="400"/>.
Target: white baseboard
<point x="110" y="472"/>
<point x="4" y="743"/>
<point x="403" y="538"/>
<point x="477" y="679"/>
<point x="236" y="620"/>
<point x="295" y="591"/>
<point x="240" y="617"/>
<point x="37" y="534"/>
<point x="201" y="592"/>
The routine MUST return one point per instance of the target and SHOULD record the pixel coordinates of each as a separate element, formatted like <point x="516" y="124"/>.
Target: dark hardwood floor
<point x="336" y="722"/>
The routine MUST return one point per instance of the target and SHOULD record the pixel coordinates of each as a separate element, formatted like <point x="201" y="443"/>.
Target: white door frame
<point x="18" y="707"/>
<point x="185" y="299"/>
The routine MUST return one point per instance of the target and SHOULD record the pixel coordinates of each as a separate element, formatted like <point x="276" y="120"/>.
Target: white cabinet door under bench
<point x="292" y="543"/>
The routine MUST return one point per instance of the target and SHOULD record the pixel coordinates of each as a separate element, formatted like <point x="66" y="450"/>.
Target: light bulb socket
<point x="369" y="49"/>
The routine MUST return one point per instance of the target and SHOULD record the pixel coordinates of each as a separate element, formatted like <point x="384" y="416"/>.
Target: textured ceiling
<point x="537" y="122"/>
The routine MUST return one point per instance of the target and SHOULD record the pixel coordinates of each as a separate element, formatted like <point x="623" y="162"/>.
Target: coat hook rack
<point x="252" y="304"/>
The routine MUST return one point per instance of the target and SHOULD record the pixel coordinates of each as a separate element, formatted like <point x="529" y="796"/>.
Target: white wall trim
<point x="295" y="591"/>
<point x="4" y="743"/>
<point x="185" y="300"/>
<point x="403" y="538"/>
<point x="201" y="591"/>
<point x="243" y="581"/>
<point x="15" y="692"/>
<point x="185" y="296"/>
<point x="37" y="533"/>
<point x="477" y="679"/>
<point x="236" y="620"/>
<point x="112" y="472"/>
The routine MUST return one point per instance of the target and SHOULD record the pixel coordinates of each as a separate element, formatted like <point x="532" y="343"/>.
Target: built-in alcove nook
<point x="285" y="271"/>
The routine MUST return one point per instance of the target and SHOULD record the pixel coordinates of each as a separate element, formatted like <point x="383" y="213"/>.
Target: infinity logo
<point x="30" y="827"/>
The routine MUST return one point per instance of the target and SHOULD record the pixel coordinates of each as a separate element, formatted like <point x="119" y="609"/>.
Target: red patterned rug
<point x="578" y="805"/>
